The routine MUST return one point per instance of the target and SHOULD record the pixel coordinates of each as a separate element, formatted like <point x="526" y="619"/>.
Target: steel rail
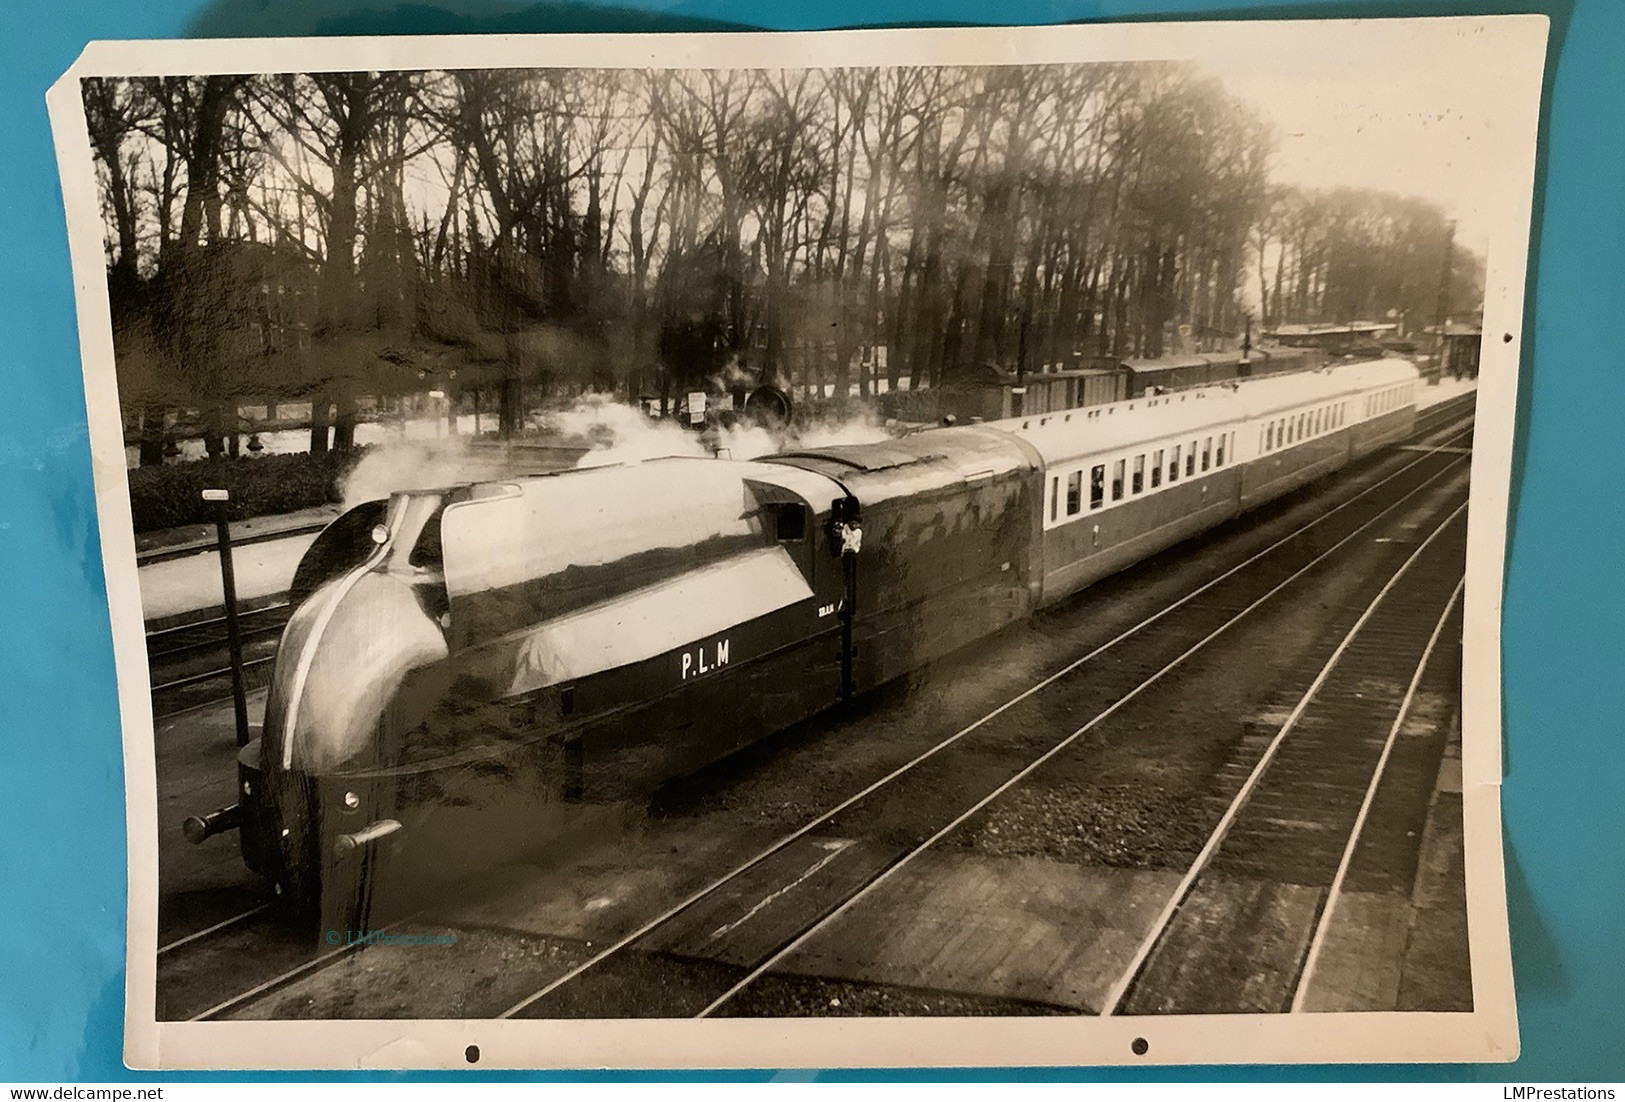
<point x="206" y="931"/>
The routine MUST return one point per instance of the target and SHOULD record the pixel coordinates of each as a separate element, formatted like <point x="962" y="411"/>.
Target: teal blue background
<point x="62" y="839"/>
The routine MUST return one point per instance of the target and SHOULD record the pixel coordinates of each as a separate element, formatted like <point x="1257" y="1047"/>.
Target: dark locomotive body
<point x="470" y="670"/>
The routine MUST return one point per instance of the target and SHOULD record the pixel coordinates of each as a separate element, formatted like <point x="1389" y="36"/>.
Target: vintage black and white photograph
<point x="826" y="535"/>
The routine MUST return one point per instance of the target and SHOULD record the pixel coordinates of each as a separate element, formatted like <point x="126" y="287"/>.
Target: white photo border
<point x="1517" y="45"/>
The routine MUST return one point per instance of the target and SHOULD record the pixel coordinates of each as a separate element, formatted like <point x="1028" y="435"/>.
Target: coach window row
<point x="1286" y="431"/>
<point x="1133" y="476"/>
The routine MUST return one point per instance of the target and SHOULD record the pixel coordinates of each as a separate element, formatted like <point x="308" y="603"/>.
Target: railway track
<point x="1216" y="961"/>
<point x="190" y="664"/>
<point x="796" y="874"/>
<point x="259" y="950"/>
<point x="209" y="547"/>
<point x="1282" y="846"/>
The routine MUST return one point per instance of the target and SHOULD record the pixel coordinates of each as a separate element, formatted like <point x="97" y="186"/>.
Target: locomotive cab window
<point x="789" y="521"/>
<point x="429" y="553"/>
<point x="1097" y="485"/>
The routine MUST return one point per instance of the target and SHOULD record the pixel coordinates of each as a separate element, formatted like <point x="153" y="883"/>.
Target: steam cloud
<point x="611" y="431"/>
<point x="619" y="433"/>
<point x="412" y="465"/>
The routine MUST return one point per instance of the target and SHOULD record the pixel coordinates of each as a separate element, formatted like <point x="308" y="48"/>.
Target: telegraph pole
<point x="228" y="587"/>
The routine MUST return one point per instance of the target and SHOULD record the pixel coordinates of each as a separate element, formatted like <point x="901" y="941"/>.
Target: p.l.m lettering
<point x="705" y="658"/>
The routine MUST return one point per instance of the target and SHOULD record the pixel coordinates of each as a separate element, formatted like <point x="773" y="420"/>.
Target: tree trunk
<point x="216" y="423"/>
<point x="344" y="423"/>
<point x="318" y="424"/>
<point x="511" y="414"/>
<point x="152" y="435"/>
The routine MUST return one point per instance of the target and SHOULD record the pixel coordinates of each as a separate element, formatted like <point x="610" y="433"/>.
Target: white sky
<point x="1413" y="112"/>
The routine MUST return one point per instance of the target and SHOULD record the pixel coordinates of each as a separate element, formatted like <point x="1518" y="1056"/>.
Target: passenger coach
<point x="1126" y="480"/>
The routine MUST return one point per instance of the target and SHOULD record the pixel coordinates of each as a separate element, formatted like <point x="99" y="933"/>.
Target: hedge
<point x="171" y="495"/>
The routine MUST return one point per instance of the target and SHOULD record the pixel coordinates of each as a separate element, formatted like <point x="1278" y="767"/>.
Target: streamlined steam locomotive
<point x="464" y="661"/>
